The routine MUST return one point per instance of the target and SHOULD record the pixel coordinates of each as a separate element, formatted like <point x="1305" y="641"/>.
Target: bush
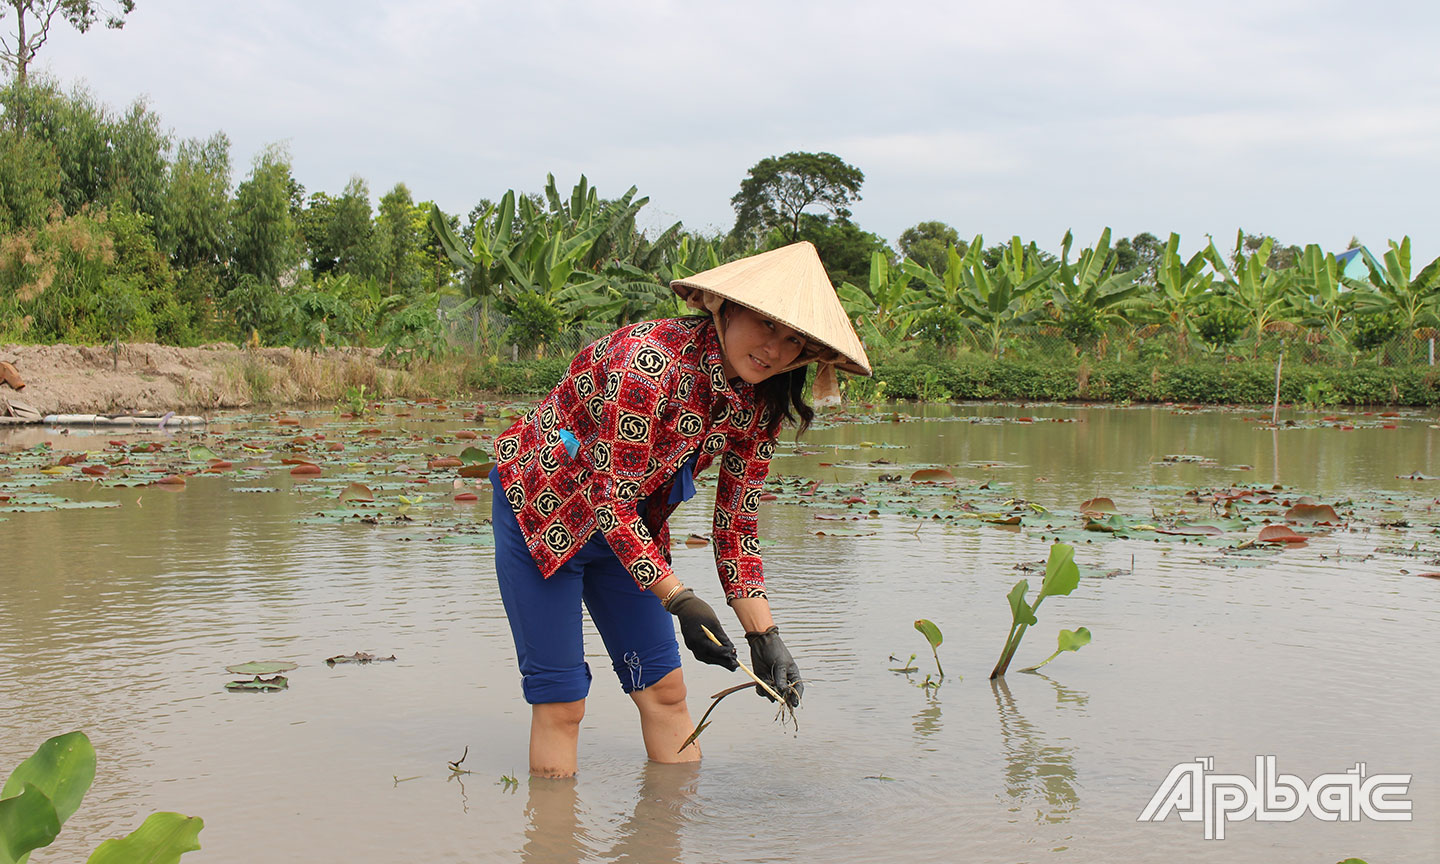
<point x="528" y="377"/>
<point x="1207" y="382"/>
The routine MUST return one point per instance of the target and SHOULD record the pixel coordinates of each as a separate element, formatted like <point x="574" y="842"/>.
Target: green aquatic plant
<point x="1061" y="577"/>
<point x="1317" y="394"/>
<point x="932" y="635"/>
<point x="46" y="789"/>
<point x="355" y="402"/>
<point x="905" y="668"/>
<point x="1069" y="640"/>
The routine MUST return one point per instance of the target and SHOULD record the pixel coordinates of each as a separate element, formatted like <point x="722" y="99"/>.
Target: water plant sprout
<point x="1069" y="640"/>
<point x="932" y="635"/>
<point x="1061" y="577"/>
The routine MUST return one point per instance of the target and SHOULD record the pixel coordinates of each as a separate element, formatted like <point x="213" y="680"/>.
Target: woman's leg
<point x="640" y="638"/>
<point x="545" y="621"/>
<point x="555" y="738"/>
<point x="665" y="719"/>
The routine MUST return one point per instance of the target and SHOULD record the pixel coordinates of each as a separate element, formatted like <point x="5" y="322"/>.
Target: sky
<point x="1311" y="121"/>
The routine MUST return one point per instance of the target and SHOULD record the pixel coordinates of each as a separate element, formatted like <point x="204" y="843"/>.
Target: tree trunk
<point x="22" y="54"/>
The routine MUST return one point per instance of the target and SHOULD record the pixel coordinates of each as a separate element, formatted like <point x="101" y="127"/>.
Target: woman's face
<point x="757" y="347"/>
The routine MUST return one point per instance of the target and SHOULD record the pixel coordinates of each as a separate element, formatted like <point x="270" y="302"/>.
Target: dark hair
<point x="782" y="392"/>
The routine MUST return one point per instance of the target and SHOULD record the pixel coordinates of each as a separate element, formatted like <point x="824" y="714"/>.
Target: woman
<point x="585" y="481"/>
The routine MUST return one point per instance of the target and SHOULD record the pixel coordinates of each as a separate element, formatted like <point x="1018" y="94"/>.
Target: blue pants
<point x="545" y="615"/>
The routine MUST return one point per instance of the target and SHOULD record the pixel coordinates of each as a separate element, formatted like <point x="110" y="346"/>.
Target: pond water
<point x="119" y="620"/>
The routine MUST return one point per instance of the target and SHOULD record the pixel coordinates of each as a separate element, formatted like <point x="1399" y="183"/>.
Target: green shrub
<point x="1205" y="382"/>
<point x="527" y="377"/>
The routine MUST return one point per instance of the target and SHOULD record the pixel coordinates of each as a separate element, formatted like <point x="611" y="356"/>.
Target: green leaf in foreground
<point x="1061" y="574"/>
<point x="473" y="456"/>
<point x="62" y="769"/>
<point x="1020" y="613"/>
<point x="161" y="839"/>
<point x="1068" y="640"/>
<point x="27" y="822"/>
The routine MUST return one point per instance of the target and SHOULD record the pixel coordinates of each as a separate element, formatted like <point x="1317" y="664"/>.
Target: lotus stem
<point x="746" y="669"/>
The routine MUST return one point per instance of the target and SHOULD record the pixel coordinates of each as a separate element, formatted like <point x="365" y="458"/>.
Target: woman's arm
<point x="753" y="612"/>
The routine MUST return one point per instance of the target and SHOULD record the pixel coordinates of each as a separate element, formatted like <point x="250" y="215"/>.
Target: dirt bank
<point x="145" y="377"/>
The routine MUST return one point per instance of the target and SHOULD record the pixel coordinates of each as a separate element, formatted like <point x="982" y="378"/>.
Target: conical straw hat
<point x="789" y="285"/>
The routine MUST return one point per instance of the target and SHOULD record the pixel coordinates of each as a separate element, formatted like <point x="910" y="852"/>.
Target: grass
<point x="282" y="376"/>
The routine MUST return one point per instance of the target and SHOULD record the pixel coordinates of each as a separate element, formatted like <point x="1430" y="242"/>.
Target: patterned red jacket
<point x="640" y="401"/>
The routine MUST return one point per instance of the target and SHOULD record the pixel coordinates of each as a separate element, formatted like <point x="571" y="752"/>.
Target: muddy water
<point x="119" y="621"/>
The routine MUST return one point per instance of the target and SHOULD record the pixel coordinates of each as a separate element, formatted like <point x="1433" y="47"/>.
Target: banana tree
<point x="620" y="293"/>
<point x="1181" y="290"/>
<point x="687" y="257"/>
<point x="483" y="276"/>
<point x="1319" y="300"/>
<point x="1261" y="293"/>
<point x="883" y="311"/>
<point x="553" y="246"/>
<point x="1412" y="301"/>
<point x="1090" y="297"/>
<point x="990" y="301"/>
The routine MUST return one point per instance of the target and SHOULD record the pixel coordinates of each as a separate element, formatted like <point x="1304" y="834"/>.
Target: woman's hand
<point x="773" y="664"/>
<point x="695" y="613"/>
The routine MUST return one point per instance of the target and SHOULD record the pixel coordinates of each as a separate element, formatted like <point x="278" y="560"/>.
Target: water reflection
<point x="554" y="833"/>
<point x="1034" y="764"/>
<point x="927" y="720"/>
<point x="650" y="834"/>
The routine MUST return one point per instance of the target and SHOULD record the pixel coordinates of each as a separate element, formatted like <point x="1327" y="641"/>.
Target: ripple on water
<point x="122" y="621"/>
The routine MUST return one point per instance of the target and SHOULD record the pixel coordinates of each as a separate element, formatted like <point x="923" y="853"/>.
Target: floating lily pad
<point x="1279" y="534"/>
<point x="1312" y="514"/>
<point x="357" y="657"/>
<point x="259" y="685"/>
<point x="1190" y="530"/>
<point x="356" y="492"/>
<point x="932" y="475"/>
<point x="261" y="667"/>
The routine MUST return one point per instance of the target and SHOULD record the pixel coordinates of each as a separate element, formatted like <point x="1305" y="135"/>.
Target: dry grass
<point x="80" y="379"/>
<point x="303" y="377"/>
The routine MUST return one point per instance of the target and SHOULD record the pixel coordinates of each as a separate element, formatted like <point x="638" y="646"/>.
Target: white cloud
<point x="1297" y="117"/>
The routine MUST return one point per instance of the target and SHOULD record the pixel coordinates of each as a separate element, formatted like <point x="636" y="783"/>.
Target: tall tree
<point x="352" y="232"/>
<point x="847" y="249"/>
<point x="928" y="243"/>
<point x="397" y="229"/>
<point x="264" y="232"/>
<point x="33" y="19"/>
<point x="778" y="189"/>
<point x="1144" y="250"/>
<point x="192" y="227"/>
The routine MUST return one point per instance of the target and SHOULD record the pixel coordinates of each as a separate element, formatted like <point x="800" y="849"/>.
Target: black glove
<point x="774" y="665"/>
<point x="695" y="613"/>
